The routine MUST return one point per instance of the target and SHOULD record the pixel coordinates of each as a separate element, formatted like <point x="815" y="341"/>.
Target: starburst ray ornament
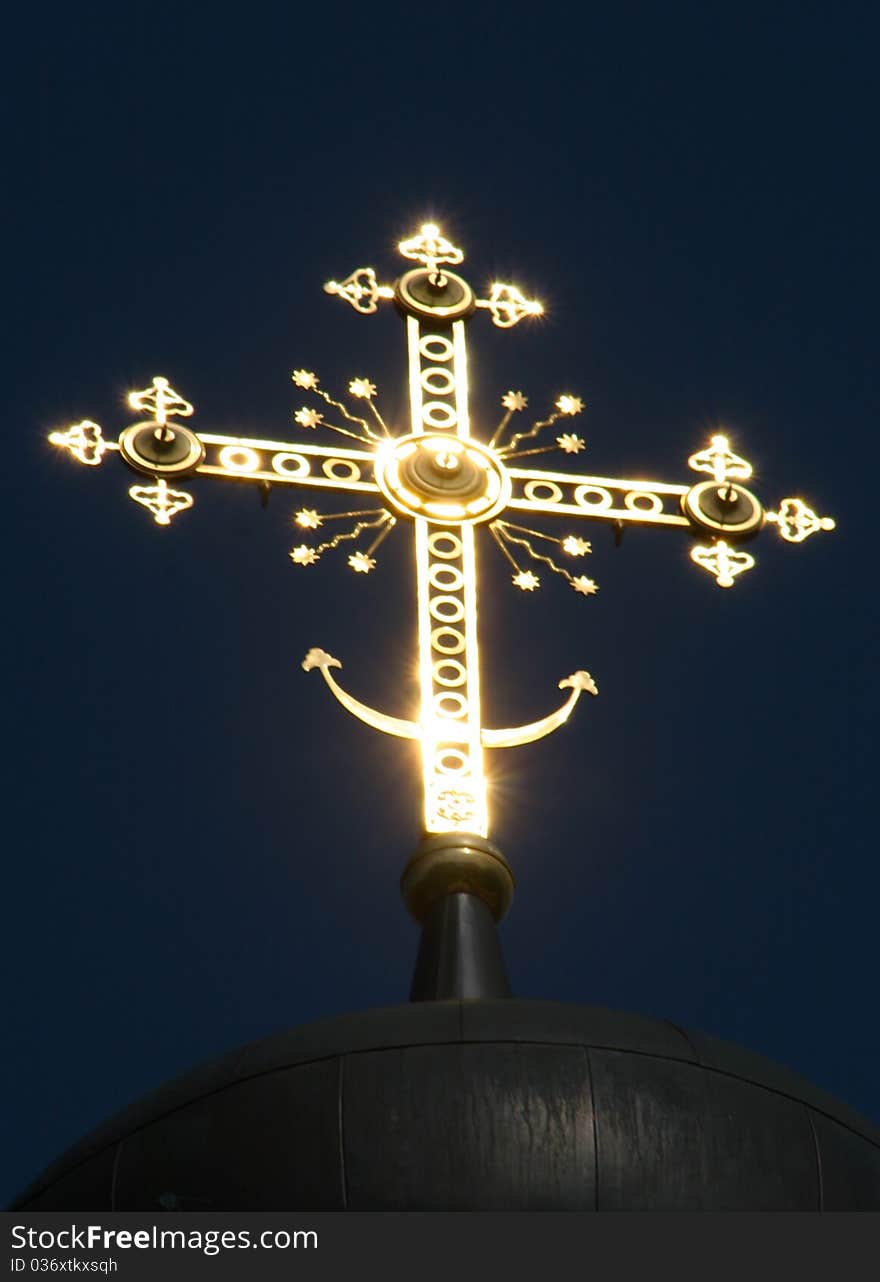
<point x="439" y="478"/>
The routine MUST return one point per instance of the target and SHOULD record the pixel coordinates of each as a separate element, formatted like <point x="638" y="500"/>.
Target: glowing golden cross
<point x="445" y="479"/>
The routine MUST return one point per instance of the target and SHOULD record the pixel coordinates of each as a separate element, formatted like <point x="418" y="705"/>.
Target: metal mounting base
<point x="458" y="887"/>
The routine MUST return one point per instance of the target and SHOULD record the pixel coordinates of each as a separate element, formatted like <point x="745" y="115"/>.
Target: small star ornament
<point x="569" y="405"/>
<point x="526" y="580"/>
<point x="571" y="443"/>
<point x="308" y="418"/>
<point x="306" y="379"/>
<point x="514" y="401"/>
<point x="363" y="388"/>
<point x="303" y="555"/>
<point x="361" y="563"/>
<point x="586" y="587"/>
<point x="575" y="546"/>
<point x="308" y="518"/>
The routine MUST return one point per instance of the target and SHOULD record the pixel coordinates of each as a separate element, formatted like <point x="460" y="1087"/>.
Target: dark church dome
<point x="477" y="1105"/>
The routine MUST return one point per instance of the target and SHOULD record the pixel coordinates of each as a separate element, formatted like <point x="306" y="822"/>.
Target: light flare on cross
<point x="445" y="482"/>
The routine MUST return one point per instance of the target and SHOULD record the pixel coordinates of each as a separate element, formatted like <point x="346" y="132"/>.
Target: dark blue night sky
<point x="202" y="848"/>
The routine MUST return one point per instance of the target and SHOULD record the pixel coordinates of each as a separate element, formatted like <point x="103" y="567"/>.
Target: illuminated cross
<point x="445" y="477"/>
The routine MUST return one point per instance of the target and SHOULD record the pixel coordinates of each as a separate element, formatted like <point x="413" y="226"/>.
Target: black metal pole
<point x="459" y="953"/>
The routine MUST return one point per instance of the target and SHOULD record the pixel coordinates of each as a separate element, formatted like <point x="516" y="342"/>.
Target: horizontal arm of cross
<point x="597" y="498"/>
<point x="234" y="458"/>
<point x="281" y="463"/>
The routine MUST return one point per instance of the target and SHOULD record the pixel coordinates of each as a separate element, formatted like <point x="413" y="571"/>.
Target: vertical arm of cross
<point x="449" y="669"/>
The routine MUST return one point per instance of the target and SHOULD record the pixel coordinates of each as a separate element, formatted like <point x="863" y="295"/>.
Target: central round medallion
<point x="727" y="509"/>
<point x="442" y="478"/>
<point x="163" y="451"/>
<point x="433" y="294"/>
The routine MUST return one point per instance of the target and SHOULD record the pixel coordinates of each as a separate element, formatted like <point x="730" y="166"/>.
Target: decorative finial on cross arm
<point x="506" y="304"/>
<point x="445" y="478"/>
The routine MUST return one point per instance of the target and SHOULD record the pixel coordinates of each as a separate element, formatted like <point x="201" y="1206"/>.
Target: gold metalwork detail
<point x="570" y="443"/>
<point x="308" y="418"/>
<point x="578" y="682"/>
<point x="507" y="305"/>
<point x="719" y="460"/>
<point x="84" y="440"/>
<point x="575" y="546"/>
<point x="513" y="403"/>
<point x="361" y="562"/>
<point x="361" y="289"/>
<point x="161" y="501"/>
<point x="161" y="400"/>
<point x="431" y="248"/>
<point x="320" y="659"/>
<point x="598" y="497"/>
<point x="566" y="406"/>
<point x="504" y="534"/>
<point x="305" y="555"/>
<point x="442" y="478"/>
<point x="455" y="807"/>
<point x="281" y="463"/>
<point x="796" y="522"/>
<point x="362" y="387"/>
<point x="452" y="757"/>
<point x="723" y="561"/>
<point x="447" y="482"/>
